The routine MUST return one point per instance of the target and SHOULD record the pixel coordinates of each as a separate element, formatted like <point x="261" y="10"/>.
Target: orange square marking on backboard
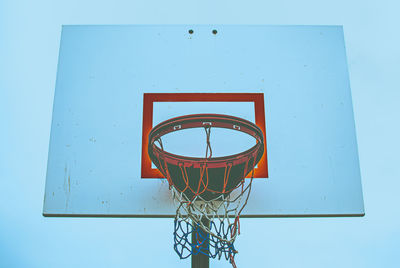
<point x="149" y="98"/>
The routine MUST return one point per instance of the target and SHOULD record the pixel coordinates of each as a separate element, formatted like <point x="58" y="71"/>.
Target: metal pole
<point x="200" y="260"/>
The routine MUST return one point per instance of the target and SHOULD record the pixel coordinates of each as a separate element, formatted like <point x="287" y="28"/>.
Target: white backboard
<point x="96" y="157"/>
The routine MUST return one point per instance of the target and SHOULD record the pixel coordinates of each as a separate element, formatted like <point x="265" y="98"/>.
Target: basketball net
<point x="215" y="222"/>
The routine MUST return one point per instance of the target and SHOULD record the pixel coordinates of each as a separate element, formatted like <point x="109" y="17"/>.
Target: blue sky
<point x="29" y="43"/>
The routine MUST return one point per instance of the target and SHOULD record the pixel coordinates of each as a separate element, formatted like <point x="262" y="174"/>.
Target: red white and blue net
<point x="211" y="192"/>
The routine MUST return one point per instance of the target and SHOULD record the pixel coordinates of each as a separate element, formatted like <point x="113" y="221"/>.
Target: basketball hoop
<point x="210" y="192"/>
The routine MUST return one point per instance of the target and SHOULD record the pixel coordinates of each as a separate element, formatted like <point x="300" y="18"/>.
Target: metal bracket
<point x="177" y="127"/>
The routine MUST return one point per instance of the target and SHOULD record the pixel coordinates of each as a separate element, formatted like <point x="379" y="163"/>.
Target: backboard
<point x="114" y="83"/>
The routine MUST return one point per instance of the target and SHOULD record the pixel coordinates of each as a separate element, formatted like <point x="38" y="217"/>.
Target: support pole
<point x="200" y="260"/>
